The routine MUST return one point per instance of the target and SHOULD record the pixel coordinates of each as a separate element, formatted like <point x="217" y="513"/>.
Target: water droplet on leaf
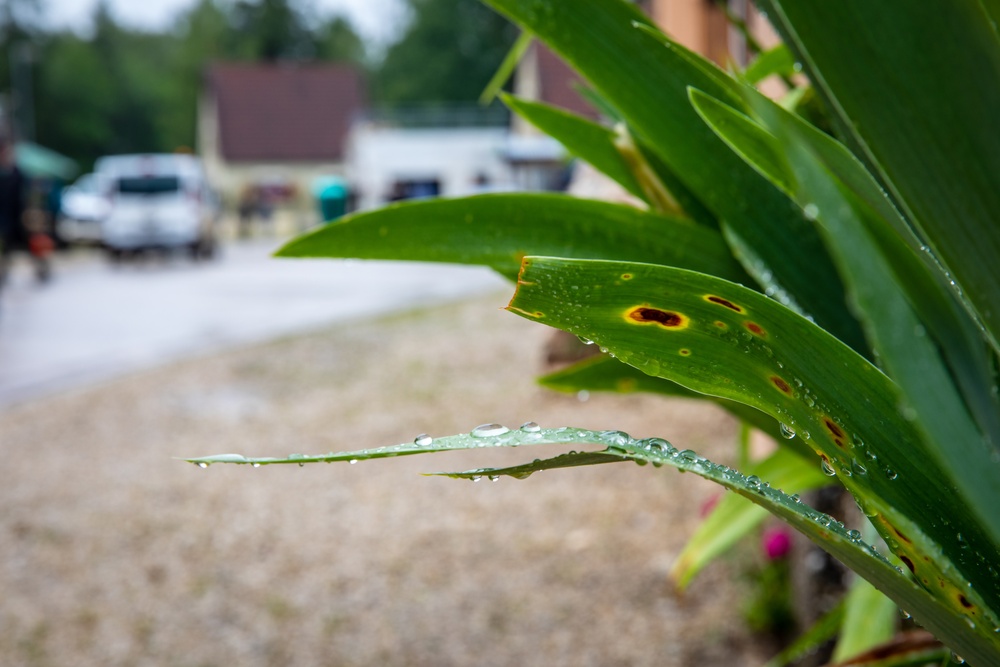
<point x="827" y="468"/>
<point x="489" y="430"/>
<point x="422" y="440"/>
<point x="787" y="431"/>
<point x="530" y="427"/>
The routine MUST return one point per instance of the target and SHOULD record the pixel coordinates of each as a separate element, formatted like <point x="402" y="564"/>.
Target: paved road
<point x="95" y="321"/>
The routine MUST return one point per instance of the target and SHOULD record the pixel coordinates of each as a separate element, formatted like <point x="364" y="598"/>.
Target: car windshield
<point x="149" y="185"/>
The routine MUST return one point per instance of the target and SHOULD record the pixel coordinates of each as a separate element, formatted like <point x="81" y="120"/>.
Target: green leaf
<point x="646" y="77"/>
<point x="909" y="356"/>
<point x="581" y="137"/>
<point x="923" y="117"/>
<point x="617" y="446"/>
<point x="497" y="230"/>
<point x="723" y="339"/>
<point x="733" y="518"/>
<point x="776" y="61"/>
<point x="824" y="629"/>
<point x="604" y="373"/>
<point x="869" y="620"/>
<point x="507" y="67"/>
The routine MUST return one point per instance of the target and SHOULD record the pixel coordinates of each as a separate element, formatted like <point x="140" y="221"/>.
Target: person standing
<point x="13" y="234"/>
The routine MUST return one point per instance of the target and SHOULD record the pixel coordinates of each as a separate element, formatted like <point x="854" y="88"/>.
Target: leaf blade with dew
<point x="926" y="383"/>
<point x="723" y="339"/>
<point x="733" y="517"/>
<point x="497" y="230"/>
<point x="921" y="118"/>
<point x="829" y="534"/>
<point x="645" y="77"/>
<point x="605" y="373"/>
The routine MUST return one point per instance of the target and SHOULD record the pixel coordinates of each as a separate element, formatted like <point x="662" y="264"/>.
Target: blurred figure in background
<point x="14" y="233"/>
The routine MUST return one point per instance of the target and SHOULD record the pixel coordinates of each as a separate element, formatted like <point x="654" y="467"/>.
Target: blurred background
<point x="155" y="154"/>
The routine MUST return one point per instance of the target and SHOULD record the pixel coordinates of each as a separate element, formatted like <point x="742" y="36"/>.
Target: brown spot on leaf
<point x="721" y="324"/>
<point x="833" y="428"/>
<point x="908" y="563"/>
<point x="626" y="276"/>
<point x="726" y="303"/>
<point x="685" y="353"/>
<point x="755" y="329"/>
<point x="781" y="385"/>
<point x="901" y="536"/>
<point x="964" y="601"/>
<point x="664" y="318"/>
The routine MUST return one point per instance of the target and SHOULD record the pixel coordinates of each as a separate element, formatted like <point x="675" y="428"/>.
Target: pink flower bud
<point x="777" y="542"/>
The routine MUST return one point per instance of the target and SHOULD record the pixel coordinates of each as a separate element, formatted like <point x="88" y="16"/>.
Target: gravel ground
<point x="117" y="554"/>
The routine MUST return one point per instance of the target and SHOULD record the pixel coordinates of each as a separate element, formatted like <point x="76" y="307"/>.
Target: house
<point x="276" y="127"/>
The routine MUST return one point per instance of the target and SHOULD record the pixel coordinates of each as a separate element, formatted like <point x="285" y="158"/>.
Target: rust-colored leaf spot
<point x="726" y="303"/>
<point x="664" y="318"/>
<point x="901" y="536"/>
<point x="908" y="563"/>
<point x="626" y="276"/>
<point x="964" y="601"/>
<point x="835" y="431"/>
<point x="721" y="324"/>
<point x="685" y="352"/>
<point x="755" y="329"/>
<point x="781" y="385"/>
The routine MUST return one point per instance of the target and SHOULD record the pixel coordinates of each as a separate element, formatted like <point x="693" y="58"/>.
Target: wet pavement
<point x="95" y="321"/>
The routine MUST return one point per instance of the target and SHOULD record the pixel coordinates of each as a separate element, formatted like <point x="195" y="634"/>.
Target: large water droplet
<point x="583" y="395"/>
<point x="854" y="535"/>
<point x="489" y="430"/>
<point x="201" y="464"/>
<point x="787" y="431"/>
<point x="255" y="464"/>
<point x="858" y="468"/>
<point x="530" y="427"/>
<point x="422" y="440"/>
<point x="827" y="468"/>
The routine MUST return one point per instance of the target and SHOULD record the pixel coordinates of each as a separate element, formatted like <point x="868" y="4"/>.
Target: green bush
<point x="840" y="287"/>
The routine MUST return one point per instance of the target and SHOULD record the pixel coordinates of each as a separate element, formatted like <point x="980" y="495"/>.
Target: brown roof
<point x="558" y="84"/>
<point x="294" y="112"/>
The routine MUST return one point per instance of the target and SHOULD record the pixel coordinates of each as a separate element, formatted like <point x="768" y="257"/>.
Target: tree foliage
<point x="448" y="53"/>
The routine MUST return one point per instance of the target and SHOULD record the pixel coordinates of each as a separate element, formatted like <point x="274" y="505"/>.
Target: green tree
<point x="447" y="54"/>
<point x="273" y="30"/>
<point x="337" y="41"/>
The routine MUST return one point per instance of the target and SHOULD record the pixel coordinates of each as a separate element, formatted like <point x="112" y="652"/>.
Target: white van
<point x="158" y="201"/>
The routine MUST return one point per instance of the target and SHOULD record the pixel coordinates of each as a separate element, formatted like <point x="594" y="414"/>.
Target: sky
<point x="375" y="20"/>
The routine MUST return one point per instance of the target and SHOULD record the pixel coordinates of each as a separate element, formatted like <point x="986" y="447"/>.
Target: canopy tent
<point x="40" y="162"/>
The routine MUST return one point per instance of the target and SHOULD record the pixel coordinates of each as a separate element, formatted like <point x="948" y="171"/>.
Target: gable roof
<point x="284" y="112"/>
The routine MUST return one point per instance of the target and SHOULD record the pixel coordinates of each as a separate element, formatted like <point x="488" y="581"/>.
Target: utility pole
<point x="22" y="112"/>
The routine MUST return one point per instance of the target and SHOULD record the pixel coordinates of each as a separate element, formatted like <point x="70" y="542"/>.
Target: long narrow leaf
<point x="722" y="339"/>
<point x="604" y="373"/>
<point x="584" y="139"/>
<point x="924" y="118"/>
<point x="497" y="230"/>
<point x="913" y="360"/>
<point x="645" y="77"/>
<point x="733" y="518"/>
